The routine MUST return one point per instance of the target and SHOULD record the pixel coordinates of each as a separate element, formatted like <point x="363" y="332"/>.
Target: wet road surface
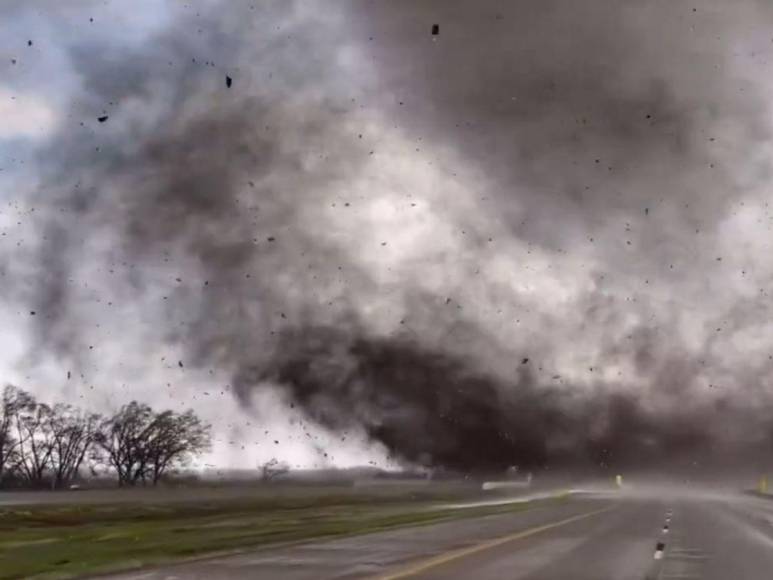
<point x="587" y="537"/>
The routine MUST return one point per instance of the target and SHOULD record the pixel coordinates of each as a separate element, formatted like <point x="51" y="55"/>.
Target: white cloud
<point x="25" y="116"/>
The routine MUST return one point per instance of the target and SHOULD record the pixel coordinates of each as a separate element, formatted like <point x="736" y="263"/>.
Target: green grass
<point x="72" y="540"/>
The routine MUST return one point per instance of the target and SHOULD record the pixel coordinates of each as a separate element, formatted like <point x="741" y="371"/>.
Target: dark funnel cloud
<point x="482" y="233"/>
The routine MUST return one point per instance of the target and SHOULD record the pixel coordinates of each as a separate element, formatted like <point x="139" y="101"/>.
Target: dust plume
<point x="536" y="237"/>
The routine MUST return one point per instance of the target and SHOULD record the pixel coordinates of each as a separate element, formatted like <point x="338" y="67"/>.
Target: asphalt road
<point x="589" y="537"/>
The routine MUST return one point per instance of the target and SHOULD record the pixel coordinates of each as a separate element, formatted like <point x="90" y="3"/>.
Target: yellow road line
<point x="463" y="552"/>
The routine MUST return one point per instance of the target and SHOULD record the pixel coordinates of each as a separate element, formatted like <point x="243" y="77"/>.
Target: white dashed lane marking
<point x="680" y="562"/>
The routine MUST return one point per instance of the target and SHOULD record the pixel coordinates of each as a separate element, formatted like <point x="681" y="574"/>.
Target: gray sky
<point x="543" y="232"/>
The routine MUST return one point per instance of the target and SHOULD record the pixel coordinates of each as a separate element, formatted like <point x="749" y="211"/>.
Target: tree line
<point x="52" y="446"/>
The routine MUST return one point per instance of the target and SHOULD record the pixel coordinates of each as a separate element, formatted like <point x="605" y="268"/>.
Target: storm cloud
<point x="539" y="236"/>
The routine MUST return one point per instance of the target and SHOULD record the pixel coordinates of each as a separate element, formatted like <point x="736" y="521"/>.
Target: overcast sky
<point x="544" y="231"/>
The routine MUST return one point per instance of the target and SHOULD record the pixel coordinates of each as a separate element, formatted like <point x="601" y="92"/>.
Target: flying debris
<point x="203" y="192"/>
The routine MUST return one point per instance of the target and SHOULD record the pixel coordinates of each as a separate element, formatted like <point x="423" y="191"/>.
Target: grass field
<point x="71" y="540"/>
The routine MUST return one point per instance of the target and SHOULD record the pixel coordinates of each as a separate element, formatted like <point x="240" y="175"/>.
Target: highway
<point x="591" y="536"/>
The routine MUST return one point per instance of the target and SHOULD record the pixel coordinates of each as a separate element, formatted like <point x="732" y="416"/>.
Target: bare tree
<point x="122" y="439"/>
<point x="142" y="445"/>
<point x="272" y="469"/>
<point x="73" y="431"/>
<point x="14" y="401"/>
<point x="35" y="442"/>
<point x="172" y="440"/>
